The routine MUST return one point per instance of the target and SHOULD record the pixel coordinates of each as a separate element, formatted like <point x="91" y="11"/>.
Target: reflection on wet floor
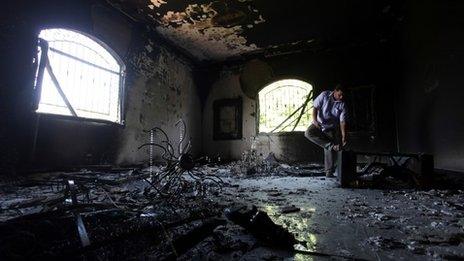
<point x="297" y="223"/>
<point x="360" y="223"/>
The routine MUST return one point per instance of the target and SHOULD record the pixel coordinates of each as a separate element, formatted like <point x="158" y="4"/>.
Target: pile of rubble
<point x="89" y="213"/>
<point x="114" y="214"/>
<point x="254" y="165"/>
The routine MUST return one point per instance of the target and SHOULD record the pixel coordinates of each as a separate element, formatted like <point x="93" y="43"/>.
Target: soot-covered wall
<point x="352" y="65"/>
<point x="431" y="46"/>
<point x="159" y="90"/>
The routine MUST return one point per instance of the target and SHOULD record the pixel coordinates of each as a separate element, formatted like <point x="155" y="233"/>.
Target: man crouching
<point x="329" y="113"/>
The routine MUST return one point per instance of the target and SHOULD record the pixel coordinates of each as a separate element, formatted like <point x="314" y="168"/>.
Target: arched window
<point x="281" y="104"/>
<point x="82" y="77"/>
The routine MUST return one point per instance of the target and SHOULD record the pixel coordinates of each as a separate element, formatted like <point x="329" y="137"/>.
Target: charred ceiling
<point x="216" y="31"/>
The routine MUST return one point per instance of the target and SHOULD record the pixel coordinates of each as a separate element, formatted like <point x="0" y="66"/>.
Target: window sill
<point x="287" y="133"/>
<point x="89" y="121"/>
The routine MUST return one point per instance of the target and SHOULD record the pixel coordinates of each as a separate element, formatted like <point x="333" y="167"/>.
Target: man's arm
<point x="343" y="131"/>
<point x="317" y="104"/>
<point x="343" y="117"/>
<point x="315" y="123"/>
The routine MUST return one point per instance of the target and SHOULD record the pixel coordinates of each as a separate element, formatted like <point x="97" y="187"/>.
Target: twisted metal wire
<point x="174" y="179"/>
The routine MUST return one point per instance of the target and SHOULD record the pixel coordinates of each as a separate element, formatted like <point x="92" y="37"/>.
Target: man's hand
<point x="344" y="141"/>
<point x="316" y="124"/>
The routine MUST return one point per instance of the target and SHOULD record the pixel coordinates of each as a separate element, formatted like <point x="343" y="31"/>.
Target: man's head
<point x="338" y="92"/>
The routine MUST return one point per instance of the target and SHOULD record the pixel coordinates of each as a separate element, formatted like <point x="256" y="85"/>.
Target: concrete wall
<point x="352" y="65"/>
<point x="160" y="100"/>
<point x="227" y="86"/>
<point x="159" y="90"/>
<point x="432" y="60"/>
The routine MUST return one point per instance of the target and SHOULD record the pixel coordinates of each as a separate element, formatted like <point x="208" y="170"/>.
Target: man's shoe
<point x="329" y="174"/>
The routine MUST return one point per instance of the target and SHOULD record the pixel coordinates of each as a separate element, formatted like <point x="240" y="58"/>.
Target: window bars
<point x="284" y="106"/>
<point x="80" y="77"/>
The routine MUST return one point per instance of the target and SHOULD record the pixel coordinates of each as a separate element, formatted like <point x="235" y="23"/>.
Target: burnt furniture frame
<point x="419" y="165"/>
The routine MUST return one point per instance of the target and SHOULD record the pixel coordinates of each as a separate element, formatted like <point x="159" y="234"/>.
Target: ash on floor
<point x="122" y="221"/>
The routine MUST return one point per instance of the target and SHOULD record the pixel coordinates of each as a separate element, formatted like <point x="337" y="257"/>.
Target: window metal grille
<point x="89" y="76"/>
<point x="278" y="102"/>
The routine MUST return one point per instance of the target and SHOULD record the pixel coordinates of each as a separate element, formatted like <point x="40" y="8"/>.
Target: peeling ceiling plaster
<point x="209" y="34"/>
<point x="157" y="3"/>
<point x="217" y="30"/>
<point x="208" y="30"/>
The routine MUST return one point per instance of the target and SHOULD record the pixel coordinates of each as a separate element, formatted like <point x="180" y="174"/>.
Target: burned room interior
<point x="231" y="130"/>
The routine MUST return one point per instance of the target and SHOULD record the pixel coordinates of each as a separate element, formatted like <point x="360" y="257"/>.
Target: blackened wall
<point x="431" y="118"/>
<point x="353" y="65"/>
<point x="159" y="90"/>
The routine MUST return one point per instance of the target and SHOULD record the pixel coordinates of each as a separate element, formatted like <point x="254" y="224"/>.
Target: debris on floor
<point x="252" y="165"/>
<point x="262" y="227"/>
<point x="289" y="209"/>
<point x="123" y="216"/>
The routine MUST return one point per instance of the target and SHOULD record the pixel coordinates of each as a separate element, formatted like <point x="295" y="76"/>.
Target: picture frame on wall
<point x="227" y="119"/>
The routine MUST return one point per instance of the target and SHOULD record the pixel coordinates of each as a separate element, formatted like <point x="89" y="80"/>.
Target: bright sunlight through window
<point x="82" y="79"/>
<point x="281" y="104"/>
